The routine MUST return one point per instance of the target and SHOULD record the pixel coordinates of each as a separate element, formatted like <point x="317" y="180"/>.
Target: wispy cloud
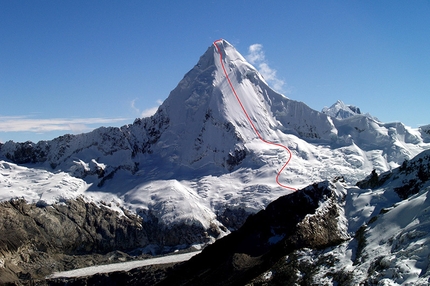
<point x="133" y="106"/>
<point x="149" y="112"/>
<point x="146" y="112"/>
<point x="257" y="58"/>
<point x="76" y="125"/>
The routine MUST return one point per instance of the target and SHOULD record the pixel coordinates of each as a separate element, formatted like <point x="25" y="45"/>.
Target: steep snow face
<point x="208" y="125"/>
<point x="217" y="133"/>
<point x="273" y="114"/>
<point x="390" y="236"/>
<point x="200" y="146"/>
<point x="199" y="134"/>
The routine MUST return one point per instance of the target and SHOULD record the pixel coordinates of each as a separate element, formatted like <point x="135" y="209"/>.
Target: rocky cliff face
<point x="37" y="240"/>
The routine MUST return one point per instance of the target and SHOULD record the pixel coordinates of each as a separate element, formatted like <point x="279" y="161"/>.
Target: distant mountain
<point x="340" y="110"/>
<point x="198" y="163"/>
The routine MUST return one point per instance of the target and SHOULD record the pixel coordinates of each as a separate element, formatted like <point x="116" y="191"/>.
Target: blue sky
<point x="71" y="66"/>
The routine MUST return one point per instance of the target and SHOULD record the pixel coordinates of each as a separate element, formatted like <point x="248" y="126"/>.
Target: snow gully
<point x="250" y="121"/>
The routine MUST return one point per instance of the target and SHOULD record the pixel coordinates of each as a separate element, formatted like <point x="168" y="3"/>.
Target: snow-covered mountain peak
<point x="229" y="54"/>
<point x="201" y="146"/>
<point x="203" y="87"/>
<point x="340" y="110"/>
<point x="206" y="111"/>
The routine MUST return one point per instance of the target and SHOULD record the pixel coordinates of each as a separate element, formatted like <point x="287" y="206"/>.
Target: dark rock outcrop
<point x="292" y="222"/>
<point x="416" y="173"/>
<point x="287" y="224"/>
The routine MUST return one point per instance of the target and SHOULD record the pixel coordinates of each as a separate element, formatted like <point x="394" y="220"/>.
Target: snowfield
<point x="38" y="185"/>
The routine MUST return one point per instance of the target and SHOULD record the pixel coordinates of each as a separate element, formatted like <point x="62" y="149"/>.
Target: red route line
<point x="250" y="121"/>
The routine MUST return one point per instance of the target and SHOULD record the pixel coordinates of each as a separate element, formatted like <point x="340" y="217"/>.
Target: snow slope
<point x="36" y="185"/>
<point x="198" y="155"/>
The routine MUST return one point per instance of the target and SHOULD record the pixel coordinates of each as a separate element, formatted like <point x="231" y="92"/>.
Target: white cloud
<point x="147" y="112"/>
<point x="256" y="57"/>
<point x="255" y="54"/>
<point x="76" y="125"/>
<point x="133" y="106"/>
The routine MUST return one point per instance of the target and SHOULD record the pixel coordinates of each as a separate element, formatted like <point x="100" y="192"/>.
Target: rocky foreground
<point x="37" y="240"/>
<point x="40" y="240"/>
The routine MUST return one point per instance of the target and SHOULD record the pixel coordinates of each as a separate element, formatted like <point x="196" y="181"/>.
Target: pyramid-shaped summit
<point x="205" y="89"/>
<point x="206" y="126"/>
<point x="199" y="129"/>
<point x="219" y="109"/>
